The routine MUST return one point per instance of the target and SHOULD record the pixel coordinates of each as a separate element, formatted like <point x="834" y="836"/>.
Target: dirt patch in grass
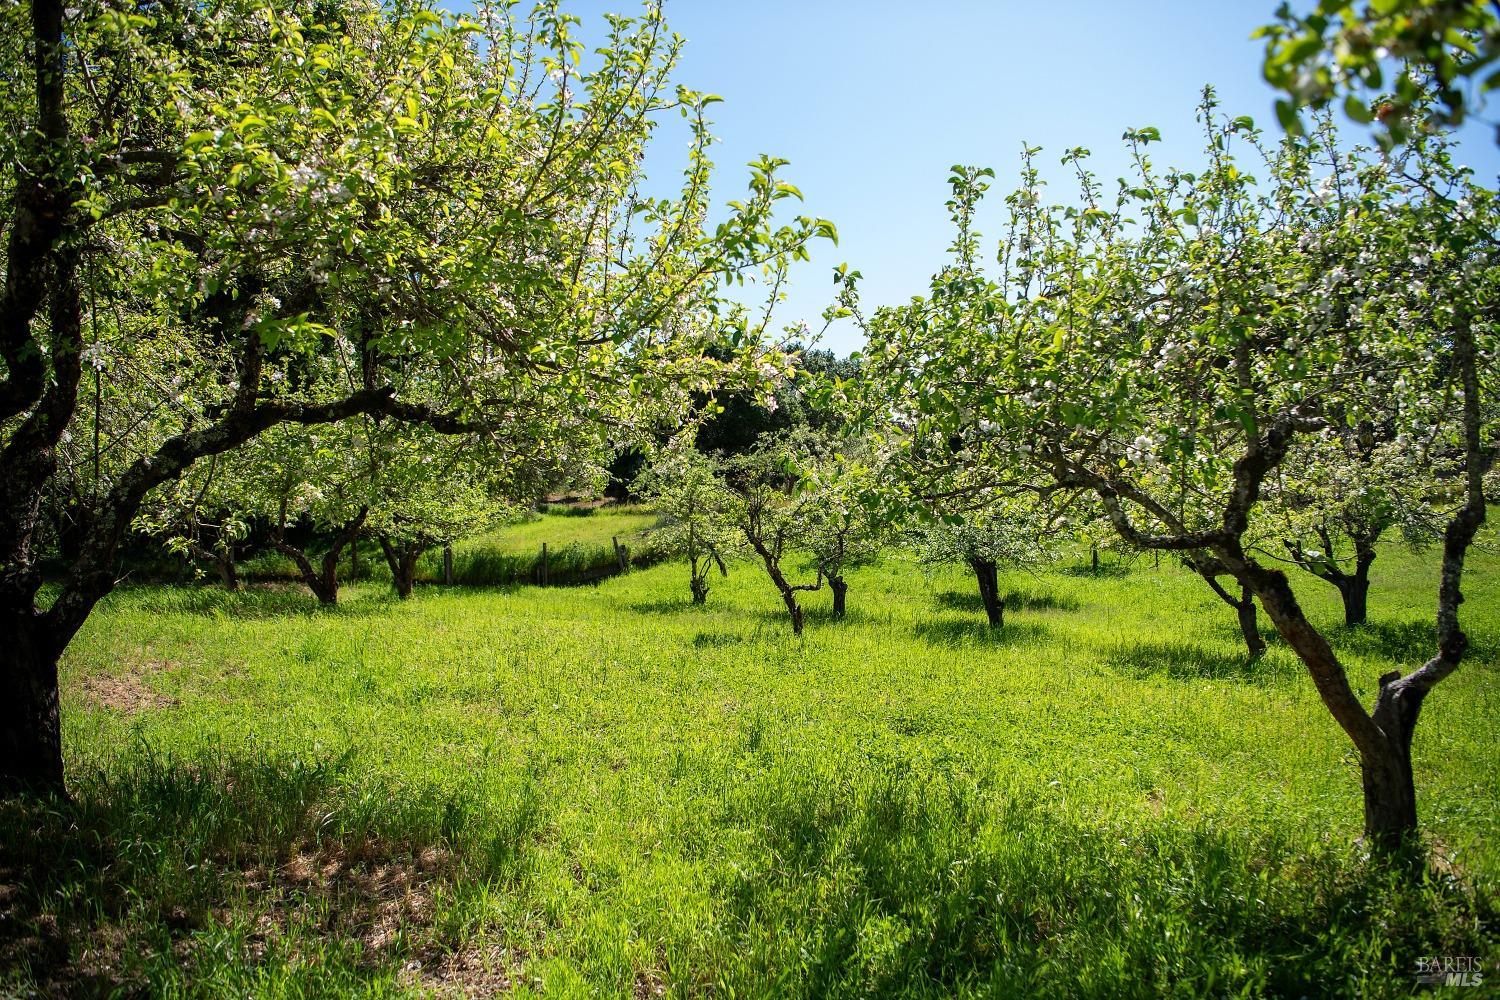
<point x="374" y="896"/>
<point x="127" y="693"/>
<point x="381" y="897"/>
<point x="476" y="970"/>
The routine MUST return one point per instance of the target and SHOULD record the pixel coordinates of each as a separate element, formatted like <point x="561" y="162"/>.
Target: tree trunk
<point x="1355" y="588"/>
<point x="699" y="583"/>
<point x="840" y="593"/>
<point x="1249" y="627"/>
<point x="1385" y="769"/>
<point x="402" y="558"/>
<point x="405" y="579"/>
<point x="1209" y="569"/>
<point x="30" y="729"/>
<point x="324" y="581"/>
<point x="1382" y="737"/>
<point x="1390" y="796"/>
<point x="325" y="587"/>
<point x="1356" y="593"/>
<point x="987" y="573"/>
<point x="773" y="570"/>
<point x="229" y="574"/>
<point x="795" y="611"/>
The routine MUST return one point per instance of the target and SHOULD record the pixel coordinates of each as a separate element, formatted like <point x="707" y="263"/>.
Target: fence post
<point x="448" y="565"/>
<point x="544" y="564"/>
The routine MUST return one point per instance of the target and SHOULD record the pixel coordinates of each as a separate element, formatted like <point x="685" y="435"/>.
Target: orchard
<point x="442" y="555"/>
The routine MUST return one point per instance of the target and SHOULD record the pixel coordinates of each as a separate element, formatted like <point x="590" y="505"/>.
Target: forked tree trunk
<point x="229" y="574"/>
<point x="987" y="572"/>
<point x="324" y="580"/>
<point x="794" y="610"/>
<point x="402" y="558"/>
<point x="1353" y="588"/>
<point x="1390" y="795"/>
<point x="1356" y="594"/>
<point x="840" y="588"/>
<point x="30" y="730"/>
<point x="699" y="585"/>
<point x="222" y="562"/>
<point x="1209" y="569"/>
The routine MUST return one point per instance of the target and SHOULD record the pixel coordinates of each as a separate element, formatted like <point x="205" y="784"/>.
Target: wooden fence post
<point x="448" y="565"/>
<point x="544" y="564"/>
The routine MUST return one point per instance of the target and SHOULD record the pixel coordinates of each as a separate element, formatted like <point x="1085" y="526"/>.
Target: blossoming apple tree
<point x="1164" y="347"/>
<point x="460" y="200"/>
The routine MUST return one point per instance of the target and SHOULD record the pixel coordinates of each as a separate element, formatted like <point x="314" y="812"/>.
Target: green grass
<point x="606" y="791"/>
<point x="566" y="526"/>
<point x="580" y="543"/>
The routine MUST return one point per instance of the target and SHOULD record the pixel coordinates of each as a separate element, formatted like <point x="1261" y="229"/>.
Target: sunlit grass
<point x="606" y="789"/>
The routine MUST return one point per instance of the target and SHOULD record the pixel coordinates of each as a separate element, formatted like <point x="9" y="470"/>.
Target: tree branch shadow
<point x="961" y="632"/>
<point x="1184" y="660"/>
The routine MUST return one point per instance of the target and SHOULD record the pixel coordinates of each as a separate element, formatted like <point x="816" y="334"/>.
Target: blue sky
<point x="873" y="100"/>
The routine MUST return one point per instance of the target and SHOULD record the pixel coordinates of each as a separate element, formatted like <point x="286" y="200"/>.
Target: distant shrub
<point x="567" y="510"/>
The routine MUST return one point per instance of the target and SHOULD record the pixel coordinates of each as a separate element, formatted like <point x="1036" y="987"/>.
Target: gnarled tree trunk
<point x="1353" y="587"/>
<point x="772" y="561"/>
<point x="30" y="731"/>
<point x="402" y="558"/>
<point x="987" y="572"/>
<point x="1356" y="588"/>
<point x="1249" y="627"/>
<point x="1382" y="738"/>
<point x="222" y="560"/>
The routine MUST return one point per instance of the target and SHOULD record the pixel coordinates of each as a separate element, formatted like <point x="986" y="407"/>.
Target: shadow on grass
<point x="255" y="601"/>
<point x="1406" y="644"/>
<point x="1104" y="570"/>
<point x="716" y="640"/>
<point x="166" y="877"/>
<point x="671" y="606"/>
<point x="968" y="632"/>
<point x="1190" y="661"/>
<point x="1014" y="600"/>
<point x="898" y="883"/>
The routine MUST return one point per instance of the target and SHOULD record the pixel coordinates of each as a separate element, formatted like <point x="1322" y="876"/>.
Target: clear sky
<point x="873" y="100"/>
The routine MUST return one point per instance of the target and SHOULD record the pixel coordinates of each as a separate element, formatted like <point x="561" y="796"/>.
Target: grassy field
<point x="605" y="791"/>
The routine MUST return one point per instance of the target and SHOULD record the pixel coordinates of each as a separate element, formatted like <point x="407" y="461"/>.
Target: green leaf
<point x="1286" y="114"/>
